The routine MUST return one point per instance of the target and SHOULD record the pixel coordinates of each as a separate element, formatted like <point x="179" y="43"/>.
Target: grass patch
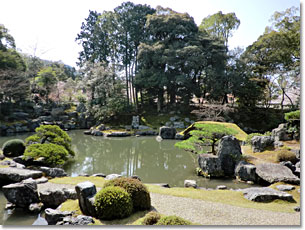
<point x="268" y="156"/>
<point x="229" y="197"/>
<point x="98" y="181"/>
<point x="296" y="195"/>
<point x="241" y="135"/>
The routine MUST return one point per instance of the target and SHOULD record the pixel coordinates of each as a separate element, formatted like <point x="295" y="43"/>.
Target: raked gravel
<point x="212" y="213"/>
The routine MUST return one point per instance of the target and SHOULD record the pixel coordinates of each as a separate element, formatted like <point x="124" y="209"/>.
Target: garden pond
<point x="153" y="161"/>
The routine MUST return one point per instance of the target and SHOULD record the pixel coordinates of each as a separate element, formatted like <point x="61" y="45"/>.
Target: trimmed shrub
<point x="13" y="148"/>
<point x="286" y="155"/>
<point x="173" y="220"/>
<point x="53" y="155"/>
<point x="50" y="134"/>
<point x="113" y="203"/>
<point x="138" y="192"/>
<point x="151" y="218"/>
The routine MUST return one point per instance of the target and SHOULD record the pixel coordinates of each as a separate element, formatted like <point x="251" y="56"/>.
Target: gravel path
<point x="210" y="213"/>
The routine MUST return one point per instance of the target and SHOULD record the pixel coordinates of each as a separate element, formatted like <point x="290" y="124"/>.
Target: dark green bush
<point x="113" y="203"/>
<point x="151" y="218"/>
<point x="53" y="155"/>
<point x="13" y="148"/>
<point x="50" y="134"/>
<point x="138" y="192"/>
<point x="173" y="220"/>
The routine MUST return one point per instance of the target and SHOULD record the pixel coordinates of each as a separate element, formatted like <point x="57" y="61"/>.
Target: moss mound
<point x="13" y="148"/>
<point x="173" y="220"/>
<point x="151" y="218"/>
<point x="138" y="192"/>
<point x="113" y="203"/>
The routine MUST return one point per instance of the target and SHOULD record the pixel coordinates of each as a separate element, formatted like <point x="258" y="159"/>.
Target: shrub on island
<point x="173" y="220"/>
<point x="13" y="148"/>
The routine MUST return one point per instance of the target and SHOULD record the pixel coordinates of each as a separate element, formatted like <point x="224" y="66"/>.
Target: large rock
<point x="52" y="198"/>
<point x="22" y="194"/>
<point x="190" y="184"/>
<point x="135" y="122"/>
<point x="273" y="173"/>
<point x="245" y="171"/>
<point x="166" y="132"/>
<point x="280" y="133"/>
<point x="265" y="194"/>
<point x="229" y="153"/>
<point x="53" y="172"/>
<point x="85" y="194"/>
<point x="260" y="143"/>
<point x="79" y="220"/>
<point x="13" y="175"/>
<point x="53" y="216"/>
<point x="210" y="165"/>
<point x="56" y="112"/>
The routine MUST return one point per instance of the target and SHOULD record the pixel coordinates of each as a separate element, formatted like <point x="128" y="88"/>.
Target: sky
<point x="50" y="27"/>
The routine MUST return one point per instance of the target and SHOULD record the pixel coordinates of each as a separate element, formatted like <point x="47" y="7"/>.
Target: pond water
<point x="152" y="161"/>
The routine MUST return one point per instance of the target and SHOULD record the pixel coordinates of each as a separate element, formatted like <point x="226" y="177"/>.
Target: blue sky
<point x="53" y="25"/>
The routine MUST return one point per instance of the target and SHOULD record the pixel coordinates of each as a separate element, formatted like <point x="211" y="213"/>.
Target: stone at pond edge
<point x="53" y="216"/>
<point x="13" y="175"/>
<point x="273" y="173"/>
<point x="85" y="194"/>
<point x="221" y="187"/>
<point x="112" y="176"/>
<point x="52" y="198"/>
<point x="265" y="194"/>
<point x="167" y="132"/>
<point x="22" y="194"/>
<point x="190" y="184"/>
<point x="229" y="153"/>
<point x="35" y="207"/>
<point x="210" y="165"/>
<point x="53" y="172"/>
<point x="245" y="171"/>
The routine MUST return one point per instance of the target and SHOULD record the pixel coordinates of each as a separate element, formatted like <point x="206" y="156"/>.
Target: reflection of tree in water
<point x="143" y="156"/>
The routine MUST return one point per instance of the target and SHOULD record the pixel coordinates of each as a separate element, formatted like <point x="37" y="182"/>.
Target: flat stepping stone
<point x="285" y="187"/>
<point x="265" y="194"/>
<point x="13" y="175"/>
<point x="273" y="173"/>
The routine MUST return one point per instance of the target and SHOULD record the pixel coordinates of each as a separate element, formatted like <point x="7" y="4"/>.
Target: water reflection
<point x="153" y="161"/>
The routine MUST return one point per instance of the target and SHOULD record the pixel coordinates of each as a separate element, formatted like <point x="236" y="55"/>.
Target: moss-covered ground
<point x="229" y="197"/>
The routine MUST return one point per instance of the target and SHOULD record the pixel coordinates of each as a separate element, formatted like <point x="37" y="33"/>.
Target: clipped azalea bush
<point x="13" y="148"/>
<point x="52" y="154"/>
<point x="173" y="220"/>
<point x="137" y="190"/>
<point x="113" y="203"/>
<point x="50" y="134"/>
<point x="151" y="218"/>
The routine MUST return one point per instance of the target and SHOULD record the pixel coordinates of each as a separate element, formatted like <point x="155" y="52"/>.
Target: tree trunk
<point x="160" y="101"/>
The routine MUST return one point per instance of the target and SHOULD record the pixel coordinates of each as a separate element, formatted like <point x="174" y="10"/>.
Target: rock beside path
<point x="273" y="173"/>
<point x="265" y="194"/>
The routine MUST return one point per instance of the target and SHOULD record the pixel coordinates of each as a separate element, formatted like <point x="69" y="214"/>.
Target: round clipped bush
<point x="13" y="148"/>
<point x="138" y="192"/>
<point x="151" y="218"/>
<point x="113" y="203"/>
<point x="173" y="220"/>
<point x="53" y="155"/>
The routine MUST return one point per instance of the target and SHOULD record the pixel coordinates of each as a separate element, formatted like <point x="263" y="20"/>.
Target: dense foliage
<point x="204" y="134"/>
<point x="51" y="134"/>
<point x="13" y="148"/>
<point x="113" y="203"/>
<point x="138" y="191"/>
<point x="51" y="154"/>
<point x="173" y="220"/>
